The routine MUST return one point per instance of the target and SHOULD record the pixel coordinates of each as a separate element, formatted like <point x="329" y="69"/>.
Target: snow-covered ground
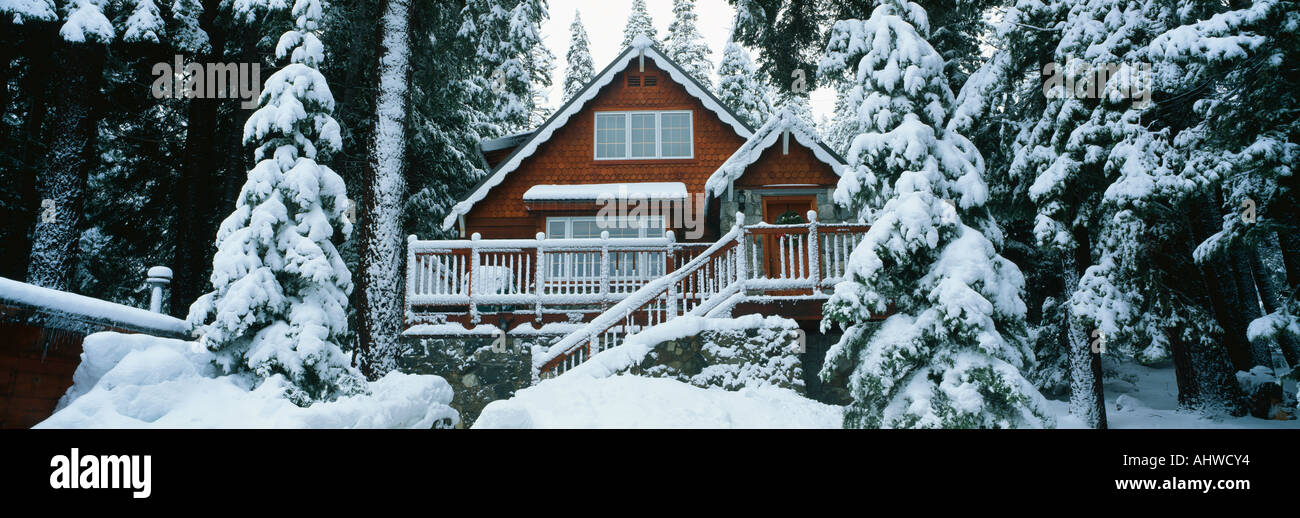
<point x="626" y="401"/>
<point x="1144" y="397"/>
<point x="139" y="381"/>
<point x="1147" y="398"/>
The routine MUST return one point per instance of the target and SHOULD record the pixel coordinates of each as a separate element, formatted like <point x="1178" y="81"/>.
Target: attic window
<point x="634" y="80"/>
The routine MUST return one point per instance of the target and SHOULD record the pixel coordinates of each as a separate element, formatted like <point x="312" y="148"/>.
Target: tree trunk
<point x="1217" y="388"/>
<point x="1289" y="241"/>
<point x="71" y="156"/>
<point x="1188" y="393"/>
<point x="1272" y="296"/>
<point x="1205" y="220"/>
<point x="193" y="191"/>
<point x="1087" y="400"/>
<point x="35" y="85"/>
<point x="381" y="260"/>
<point x="1248" y="303"/>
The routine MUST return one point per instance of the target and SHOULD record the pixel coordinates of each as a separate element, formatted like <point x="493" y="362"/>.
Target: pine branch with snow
<point x="280" y="288"/>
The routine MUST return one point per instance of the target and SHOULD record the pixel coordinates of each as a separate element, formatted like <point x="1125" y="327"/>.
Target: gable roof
<point x="640" y="47"/>
<point x="784" y="120"/>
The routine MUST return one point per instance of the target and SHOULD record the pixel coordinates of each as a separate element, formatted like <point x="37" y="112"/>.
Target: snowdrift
<point x="638" y="402"/>
<point x="141" y="381"/>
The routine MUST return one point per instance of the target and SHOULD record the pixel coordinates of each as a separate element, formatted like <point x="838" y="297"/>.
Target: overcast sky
<point x="605" y="19"/>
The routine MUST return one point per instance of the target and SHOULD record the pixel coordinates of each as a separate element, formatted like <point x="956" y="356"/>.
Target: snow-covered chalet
<point x="642" y="199"/>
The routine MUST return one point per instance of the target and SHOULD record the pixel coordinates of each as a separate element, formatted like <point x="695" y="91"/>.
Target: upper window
<point x="643" y="134"/>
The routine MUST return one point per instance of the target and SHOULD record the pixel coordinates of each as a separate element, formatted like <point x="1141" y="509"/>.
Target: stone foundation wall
<point x="478" y="374"/>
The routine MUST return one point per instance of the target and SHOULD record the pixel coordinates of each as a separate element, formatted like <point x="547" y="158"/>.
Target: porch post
<point x="408" y="314"/>
<point x="604" y="265"/>
<point x="539" y="274"/>
<point x="668" y="269"/>
<point x="742" y="273"/>
<point x="474" y="276"/>
<point x="814" y="257"/>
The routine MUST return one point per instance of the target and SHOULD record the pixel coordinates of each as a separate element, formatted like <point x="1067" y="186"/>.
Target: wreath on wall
<point x="789" y="217"/>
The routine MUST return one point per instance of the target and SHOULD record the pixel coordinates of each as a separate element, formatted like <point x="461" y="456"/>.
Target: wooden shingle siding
<point x="568" y="156"/>
<point x="800" y="167"/>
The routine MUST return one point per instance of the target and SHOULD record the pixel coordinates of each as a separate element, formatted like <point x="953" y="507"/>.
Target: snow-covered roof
<point x="641" y="47"/>
<point x="595" y="191"/>
<point x="85" y="308"/>
<point x="783" y="121"/>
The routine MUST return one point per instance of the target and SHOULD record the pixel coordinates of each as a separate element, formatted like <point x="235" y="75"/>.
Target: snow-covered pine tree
<point x="686" y="46"/>
<point x="515" y="66"/>
<point x="384" y="183"/>
<point x="280" y="288"/>
<point x="446" y="122"/>
<point x="638" y="23"/>
<point x="950" y="353"/>
<point x="81" y="46"/>
<point x="740" y="88"/>
<point x="579" y="68"/>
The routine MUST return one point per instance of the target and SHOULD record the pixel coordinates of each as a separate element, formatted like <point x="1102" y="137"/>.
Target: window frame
<point x="659" y="129"/>
<point x="570" y="220"/>
<point x="586" y="265"/>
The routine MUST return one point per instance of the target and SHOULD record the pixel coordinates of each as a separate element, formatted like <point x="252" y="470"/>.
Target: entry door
<point x="784" y="210"/>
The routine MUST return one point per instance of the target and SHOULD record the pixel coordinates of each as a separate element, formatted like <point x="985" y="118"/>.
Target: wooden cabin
<point x="641" y="199"/>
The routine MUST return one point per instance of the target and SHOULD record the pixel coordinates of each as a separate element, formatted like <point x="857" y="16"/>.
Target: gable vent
<point x="651" y="80"/>
<point x="634" y="80"/>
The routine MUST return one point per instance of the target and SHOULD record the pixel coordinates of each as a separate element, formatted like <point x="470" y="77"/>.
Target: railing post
<point x="604" y="265"/>
<point x="814" y="257"/>
<point x="474" y="276"/>
<point x="539" y="274"/>
<point x="409" y="312"/>
<point x="668" y="268"/>
<point x="742" y="273"/>
<point x="158" y="279"/>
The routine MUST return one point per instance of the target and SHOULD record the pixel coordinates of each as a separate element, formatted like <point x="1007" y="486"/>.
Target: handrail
<point x="634" y="302"/>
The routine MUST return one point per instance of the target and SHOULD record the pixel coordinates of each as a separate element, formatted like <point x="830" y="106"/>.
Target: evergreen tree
<point x="278" y="309"/>
<point x="580" y="69"/>
<point x="447" y="124"/>
<point x="740" y="88"/>
<point x="639" y="22"/>
<point x="950" y="355"/>
<point x="789" y="34"/>
<point x="686" y="46"/>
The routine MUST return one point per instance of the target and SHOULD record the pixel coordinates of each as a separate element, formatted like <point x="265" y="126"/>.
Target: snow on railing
<point x="530" y="272"/>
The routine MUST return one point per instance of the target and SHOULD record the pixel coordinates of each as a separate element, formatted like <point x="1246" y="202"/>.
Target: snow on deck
<point x="596" y="191"/>
<point x="88" y="308"/>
